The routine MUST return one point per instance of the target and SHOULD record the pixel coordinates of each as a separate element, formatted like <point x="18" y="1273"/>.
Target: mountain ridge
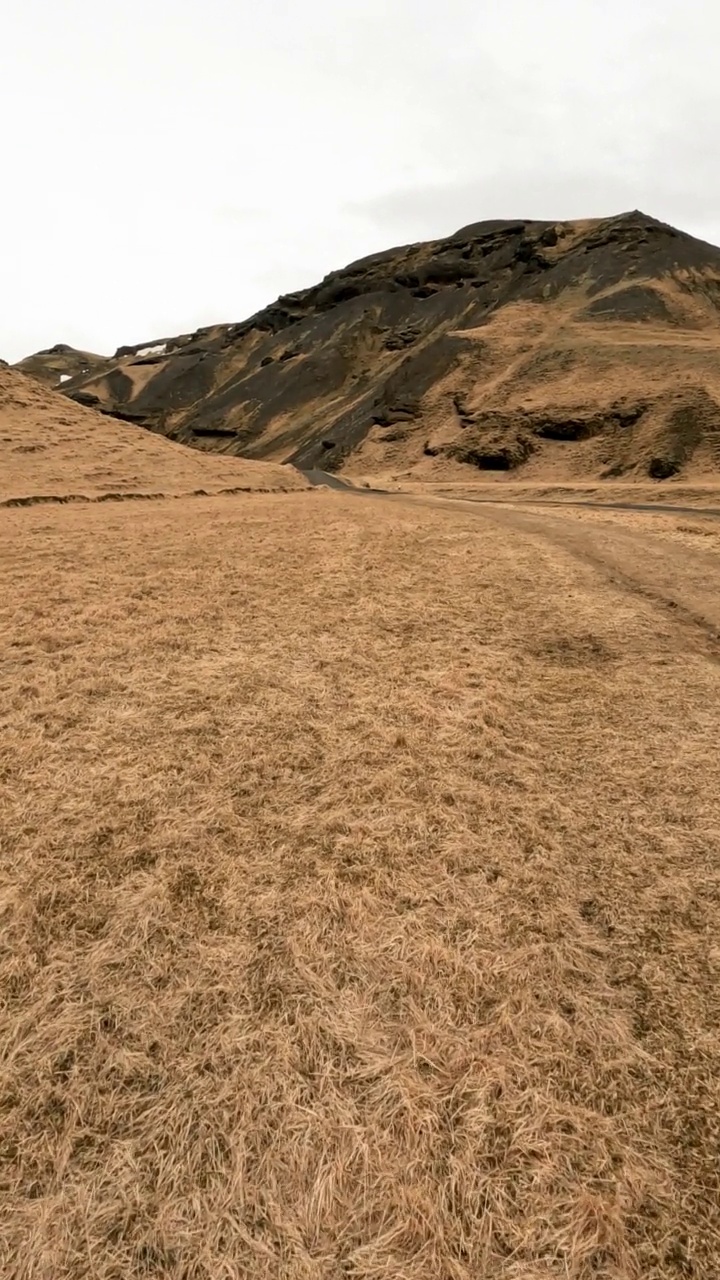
<point x="583" y="348"/>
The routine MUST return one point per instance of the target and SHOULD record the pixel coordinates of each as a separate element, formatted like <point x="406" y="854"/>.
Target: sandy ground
<point x="360" y="897"/>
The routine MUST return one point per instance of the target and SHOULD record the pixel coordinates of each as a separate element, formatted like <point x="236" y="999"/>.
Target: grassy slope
<point x="53" y="448"/>
<point x="359" y="899"/>
<point x="548" y="359"/>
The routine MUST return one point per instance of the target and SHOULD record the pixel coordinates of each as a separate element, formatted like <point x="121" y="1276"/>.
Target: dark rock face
<point x="662" y="468"/>
<point x="690" y="420"/>
<point x="312" y="376"/>
<point x="633" y="303"/>
<point x="86" y="398"/>
<point x="499" y="452"/>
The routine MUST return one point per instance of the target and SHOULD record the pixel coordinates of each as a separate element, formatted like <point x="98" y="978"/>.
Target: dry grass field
<point x="360" y="896"/>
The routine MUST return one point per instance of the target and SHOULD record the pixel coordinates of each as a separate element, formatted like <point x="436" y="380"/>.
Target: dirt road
<point x="672" y="561"/>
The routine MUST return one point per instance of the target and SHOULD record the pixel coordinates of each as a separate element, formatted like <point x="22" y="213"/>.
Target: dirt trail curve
<point x="655" y="560"/>
<point x="319" y="478"/>
<point x="676" y="567"/>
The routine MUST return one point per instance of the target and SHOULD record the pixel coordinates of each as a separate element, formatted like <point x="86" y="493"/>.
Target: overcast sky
<point x="170" y="163"/>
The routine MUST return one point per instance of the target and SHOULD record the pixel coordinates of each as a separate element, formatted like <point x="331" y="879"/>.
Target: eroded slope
<point x="586" y="349"/>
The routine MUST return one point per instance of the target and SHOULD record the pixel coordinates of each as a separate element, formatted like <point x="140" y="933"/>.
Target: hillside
<point x="60" y="364"/>
<point x="52" y="448"/>
<point x="532" y="349"/>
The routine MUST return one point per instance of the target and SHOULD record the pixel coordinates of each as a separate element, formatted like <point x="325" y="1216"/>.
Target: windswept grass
<point x="360" y="900"/>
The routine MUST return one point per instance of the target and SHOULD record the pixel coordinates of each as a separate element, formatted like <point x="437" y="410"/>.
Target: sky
<point x="173" y="163"/>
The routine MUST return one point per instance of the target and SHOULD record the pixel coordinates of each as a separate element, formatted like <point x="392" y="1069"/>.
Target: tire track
<point x="678" y="580"/>
<point x="618" y="554"/>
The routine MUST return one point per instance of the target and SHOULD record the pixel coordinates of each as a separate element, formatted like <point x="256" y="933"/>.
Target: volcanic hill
<point x="563" y="351"/>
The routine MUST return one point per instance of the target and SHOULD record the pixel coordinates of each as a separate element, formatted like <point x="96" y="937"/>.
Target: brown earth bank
<point x="550" y="352"/>
<point x="54" y="449"/>
<point x="359" y="892"/>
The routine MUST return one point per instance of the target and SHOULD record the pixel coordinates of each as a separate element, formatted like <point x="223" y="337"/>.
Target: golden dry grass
<point x="51" y="447"/>
<point x="360" y="900"/>
<point x="550" y="359"/>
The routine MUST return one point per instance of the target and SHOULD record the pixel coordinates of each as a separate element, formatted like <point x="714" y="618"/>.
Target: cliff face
<point x="577" y="349"/>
